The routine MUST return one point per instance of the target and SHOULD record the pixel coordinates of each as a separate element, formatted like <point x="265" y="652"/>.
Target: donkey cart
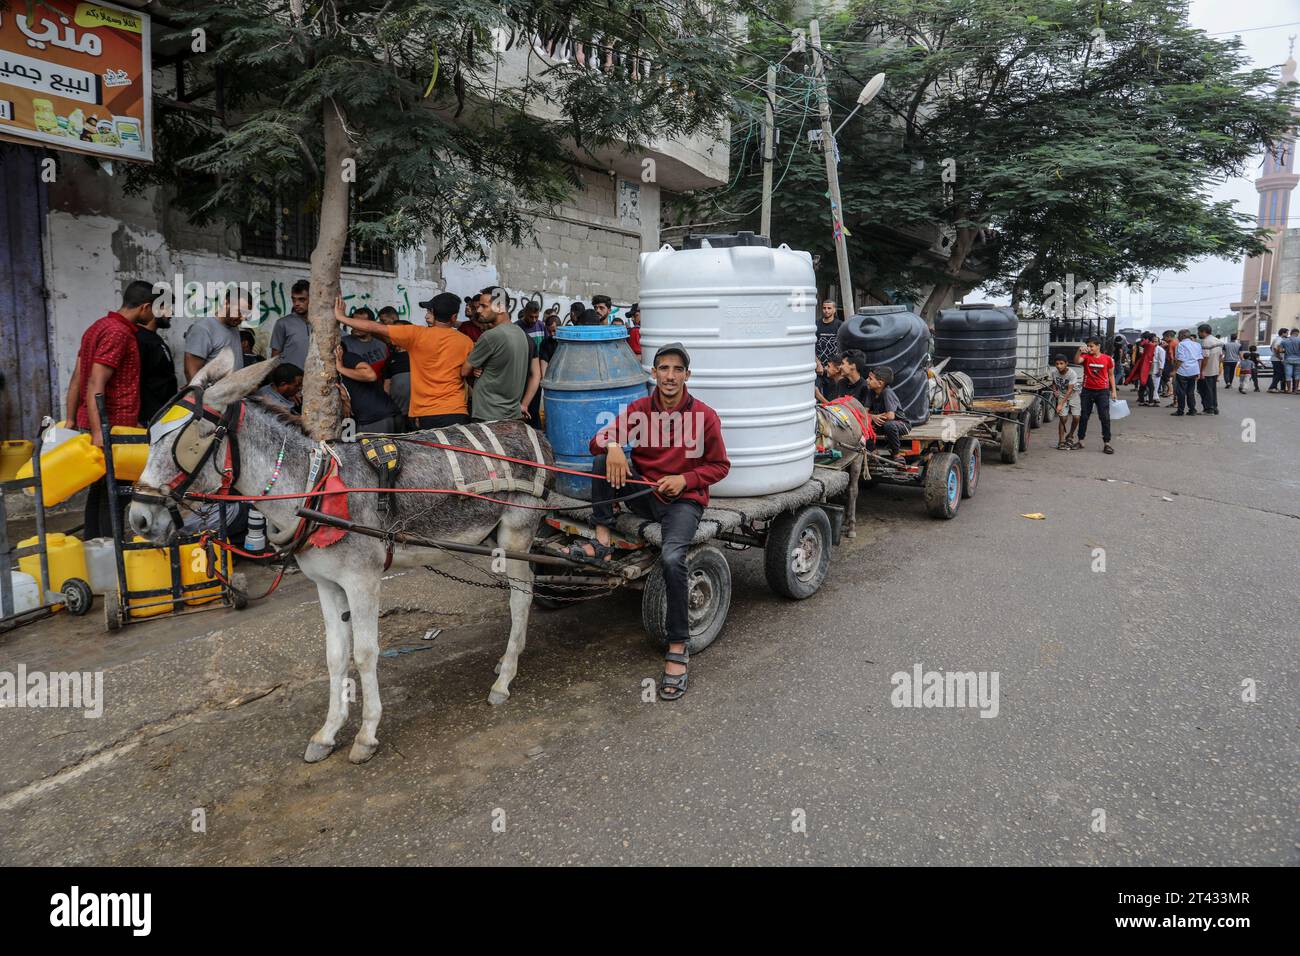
<point x="796" y="530"/>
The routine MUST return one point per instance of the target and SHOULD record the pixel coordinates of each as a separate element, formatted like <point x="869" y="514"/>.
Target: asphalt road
<point x="1119" y="691"/>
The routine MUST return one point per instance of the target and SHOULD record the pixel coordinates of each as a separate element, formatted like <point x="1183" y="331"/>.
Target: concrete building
<point x="69" y="246"/>
<point x="1270" y="296"/>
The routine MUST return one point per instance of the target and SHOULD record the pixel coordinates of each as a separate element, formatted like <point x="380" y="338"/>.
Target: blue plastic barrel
<point x="592" y="377"/>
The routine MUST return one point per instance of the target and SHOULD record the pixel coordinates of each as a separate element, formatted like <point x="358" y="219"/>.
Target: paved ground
<point x="1118" y="692"/>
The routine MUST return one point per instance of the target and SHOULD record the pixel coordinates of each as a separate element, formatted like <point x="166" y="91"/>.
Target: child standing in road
<point x="1065" y="390"/>
<point x="1248" y="367"/>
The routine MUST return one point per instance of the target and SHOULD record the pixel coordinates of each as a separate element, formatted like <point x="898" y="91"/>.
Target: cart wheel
<point x="239" y="599"/>
<point x="1009" y="441"/>
<point x="1024" y="432"/>
<point x="943" y="485"/>
<point x="1049" y="410"/>
<point x="708" y="577"/>
<point x="798" y="552"/>
<point x="1035" y="413"/>
<point x="77" y="596"/>
<point x="971" y="458"/>
<point x="113" y="617"/>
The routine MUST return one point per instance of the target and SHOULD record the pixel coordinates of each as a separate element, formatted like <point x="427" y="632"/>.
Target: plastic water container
<point x="745" y="312"/>
<point x="129" y="460"/>
<point x="101" y="565"/>
<point x="66" y="556"/>
<point x="592" y="377"/>
<point x="66" y="467"/>
<point x="980" y="340"/>
<point x="13" y="455"/>
<point x="192" y="556"/>
<point x="148" y="570"/>
<point x="899" y="338"/>
<point x="27" y="593"/>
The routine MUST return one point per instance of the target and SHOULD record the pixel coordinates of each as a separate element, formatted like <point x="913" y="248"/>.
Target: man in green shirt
<point x="498" y="363"/>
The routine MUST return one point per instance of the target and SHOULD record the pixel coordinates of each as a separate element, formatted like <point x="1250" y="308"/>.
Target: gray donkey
<point x="348" y="572"/>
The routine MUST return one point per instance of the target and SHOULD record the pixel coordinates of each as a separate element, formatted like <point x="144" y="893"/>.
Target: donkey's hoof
<point x="850" y="534"/>
<point x="317" y="752"/>
<point x="496" y="698"/>
<point x="360" y="752"/>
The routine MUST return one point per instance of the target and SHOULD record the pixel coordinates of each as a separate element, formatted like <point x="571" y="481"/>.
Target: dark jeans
<point x="421" y="423"/>
<point x="1208" y="389"/>
<point x="1185" y="393"/>
<point x="1229" y="372"/>
<point x="891" y="433"/>
<point x="677" y="520"/>
<point x="1100" y="399"/>
<point x="1147" y="392"/>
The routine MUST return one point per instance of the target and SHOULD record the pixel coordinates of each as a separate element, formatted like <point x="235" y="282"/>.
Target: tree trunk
<point x="320" y="396"/>
<point x="956" y="260"/>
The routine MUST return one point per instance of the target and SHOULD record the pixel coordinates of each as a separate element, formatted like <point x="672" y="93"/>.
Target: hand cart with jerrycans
<point x="75" y="595"/>
<point x="127" y="606"/>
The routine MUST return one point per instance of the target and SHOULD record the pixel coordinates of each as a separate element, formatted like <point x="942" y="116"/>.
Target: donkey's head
<point x="186" y="451"/>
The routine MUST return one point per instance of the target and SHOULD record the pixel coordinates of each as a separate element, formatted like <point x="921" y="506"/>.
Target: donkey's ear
<point x="239" y="384"/>
<point x="214" y="371"/>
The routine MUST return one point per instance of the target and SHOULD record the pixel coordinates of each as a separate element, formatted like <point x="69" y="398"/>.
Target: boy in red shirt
<point x="1098" y="390"/>
<point x="676" y="441"/>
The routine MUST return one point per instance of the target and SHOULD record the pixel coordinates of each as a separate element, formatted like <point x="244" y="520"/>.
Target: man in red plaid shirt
<point x="109" y="364"/>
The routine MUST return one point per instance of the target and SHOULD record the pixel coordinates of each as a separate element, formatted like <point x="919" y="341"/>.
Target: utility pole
<point x="765" y="227"/>
<point x="832" y="172"/>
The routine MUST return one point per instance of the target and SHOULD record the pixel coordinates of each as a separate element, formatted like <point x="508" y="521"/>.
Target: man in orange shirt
<point x="437" y="353"/>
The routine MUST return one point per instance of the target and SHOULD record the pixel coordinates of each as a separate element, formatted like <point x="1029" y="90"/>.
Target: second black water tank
<point x="979" y="340"/>
<point x="891" y="335"/>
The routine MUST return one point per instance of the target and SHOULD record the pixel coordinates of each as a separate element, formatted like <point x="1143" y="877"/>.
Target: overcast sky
<point x="1207" y="286"/>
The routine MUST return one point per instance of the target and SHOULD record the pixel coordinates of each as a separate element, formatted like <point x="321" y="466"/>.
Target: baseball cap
<point x="444" y="305"/>
<point x="674" y="347"/>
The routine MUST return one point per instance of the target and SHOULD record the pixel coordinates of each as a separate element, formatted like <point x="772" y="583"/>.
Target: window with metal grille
<point x="291" y="234"/>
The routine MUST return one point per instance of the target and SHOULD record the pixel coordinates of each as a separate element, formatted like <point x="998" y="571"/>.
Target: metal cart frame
<point x="118" y="609"/>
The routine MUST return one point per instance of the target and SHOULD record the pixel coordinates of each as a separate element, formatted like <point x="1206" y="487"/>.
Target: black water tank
<point x="891" y="335"/>
<point x="979" y="340"/>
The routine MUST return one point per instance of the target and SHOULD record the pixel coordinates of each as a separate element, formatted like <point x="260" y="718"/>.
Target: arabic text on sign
<point x="65" y="81"/>
<point x="48" y="33"/>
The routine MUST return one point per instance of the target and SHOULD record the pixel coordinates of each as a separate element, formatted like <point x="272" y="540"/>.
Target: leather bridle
<point x="192" y="449"/>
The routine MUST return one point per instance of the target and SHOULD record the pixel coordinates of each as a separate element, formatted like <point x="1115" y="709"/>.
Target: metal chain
<point x="589" y="591"/>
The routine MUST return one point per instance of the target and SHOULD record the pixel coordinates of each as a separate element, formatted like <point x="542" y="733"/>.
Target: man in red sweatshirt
<point x="676" y="442"/>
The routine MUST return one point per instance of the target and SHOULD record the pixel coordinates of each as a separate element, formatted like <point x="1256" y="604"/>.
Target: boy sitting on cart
<point x="676" y="442"/>
<point x="886" y="412"/>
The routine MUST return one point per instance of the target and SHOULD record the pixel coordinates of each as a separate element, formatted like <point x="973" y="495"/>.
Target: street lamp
<point x="866" y="96"/>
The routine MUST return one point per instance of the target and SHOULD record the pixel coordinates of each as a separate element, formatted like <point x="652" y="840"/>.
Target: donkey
<point x="348" y="572"/>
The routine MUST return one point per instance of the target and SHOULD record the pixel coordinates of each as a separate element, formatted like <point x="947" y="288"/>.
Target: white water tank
<point x="747" y="314"/>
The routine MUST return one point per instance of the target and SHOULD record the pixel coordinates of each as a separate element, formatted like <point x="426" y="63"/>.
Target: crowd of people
<point x="394" y="375"/>
<point x="1183" y="367"/>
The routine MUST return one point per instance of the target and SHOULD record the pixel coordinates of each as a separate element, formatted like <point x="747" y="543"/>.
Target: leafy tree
<point x="398" y="106"/>
<point x="1083" y="136"/>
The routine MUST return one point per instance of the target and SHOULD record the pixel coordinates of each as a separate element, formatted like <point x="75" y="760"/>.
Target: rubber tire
<point x="969" y="452"/>
<point x="1024" y="432"/>
<point x="1049" y="410"/>
<point x="786" y="534"/>
<point x="1009" y="440"/>
<point x="706" y="559"/>
<point x="113" y="611"/>
<point x="77" y="597"/>
<point x="943" y="486"/>
<point x="1035" y="413"/>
